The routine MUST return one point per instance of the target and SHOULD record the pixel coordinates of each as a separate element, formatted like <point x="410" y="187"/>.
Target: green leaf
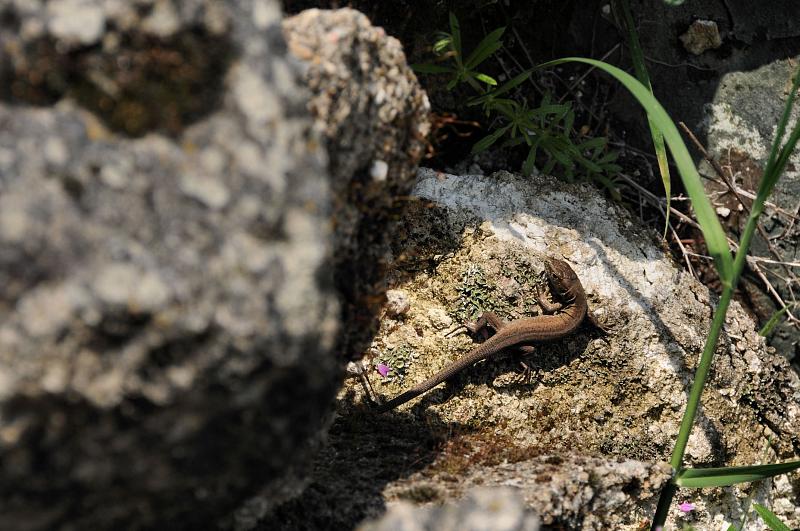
<point x="508" y="109"/>
<point x="724" y="476"/>
<point x="674" y="3"/>
<point x="588" y="164"/>
<point x="716" y="242"/>
<point x="512" y="83"/>
<point x="442" y="44"/>
<point x="772" y="521"/>
<point x="776" y="165"/>
<point x="505" y="87"/>
<point x="487" y="141"/>
<point x="599" y="141"/>
<point x="428" y="68"/>
<point x="548" y="167"/>
<point x="778" y="158"/>
<point x="455" y="34"/>
<point x="773" y="321"/>
<point x="569" y="120"/>
<point x="490" y="44"/>
<point x="562" y="158"/>
<point x="513" y="142"/>
<point x="611" y="156"/>
<point x="486" y="79"/>
<point x="547" y="109"/>
<point x="637" y="58"/>
<point x="530" y="160"/>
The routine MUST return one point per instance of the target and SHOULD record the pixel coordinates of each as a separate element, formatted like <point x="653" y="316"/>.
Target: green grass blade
<point x="712" y="230"/>
<point x="773" y="322"/>
<point x="490" y="44"/>
<point x="724" y="476"/>
<point x="772" y="521"/>
<point x="779" y="157"/>
<point x="637" y="57"/>
<point x="455" y="35"/>
<point x="773" y="173"/>
<point x="787" y="110"/>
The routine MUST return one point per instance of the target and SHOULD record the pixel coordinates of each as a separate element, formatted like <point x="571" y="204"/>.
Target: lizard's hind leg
<point x="526" y="371"/>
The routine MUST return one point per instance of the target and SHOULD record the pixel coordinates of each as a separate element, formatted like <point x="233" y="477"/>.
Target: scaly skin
<point x="564" y="284"/>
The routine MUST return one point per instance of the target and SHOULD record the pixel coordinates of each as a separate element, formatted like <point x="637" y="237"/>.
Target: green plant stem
<point x="637" y="58"/>
<point x="687" y="423"/>
<point x="664" y="503"/>
<point x="700" y="379"/>
<point x="676" y="461"/>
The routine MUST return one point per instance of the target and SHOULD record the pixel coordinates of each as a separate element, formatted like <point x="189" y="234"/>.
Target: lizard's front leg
<point x="486" y="321"/>
<point x="547" y="306"/>
<point x="485" y="324"/>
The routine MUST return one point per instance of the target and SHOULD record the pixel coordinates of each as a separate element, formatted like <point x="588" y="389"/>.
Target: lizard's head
<point x="561" y="277"/>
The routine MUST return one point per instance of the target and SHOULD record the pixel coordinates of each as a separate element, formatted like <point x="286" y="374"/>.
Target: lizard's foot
<point x="526" y="372"/>
<point x="482" y="327"/>
<point x="457" y="329"/>
<point x="597" y="323"/>
<point x="485" y="325"/>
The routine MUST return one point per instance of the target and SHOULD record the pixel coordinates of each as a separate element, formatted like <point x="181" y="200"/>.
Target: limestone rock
<point x="374" y="116"/>
<point x="585" y="441"/>
<point x="167" y="315"/>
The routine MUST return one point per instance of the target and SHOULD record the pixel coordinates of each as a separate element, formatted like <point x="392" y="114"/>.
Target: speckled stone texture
<point x="741" y="124"/>
<point x="374" y="116"/>
<point x="586" y="439"/>
<point x="166" y="305"/>
<point x="484" y="509"/>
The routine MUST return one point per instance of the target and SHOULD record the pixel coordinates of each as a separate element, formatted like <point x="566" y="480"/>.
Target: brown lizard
<point x="521" y="333"/>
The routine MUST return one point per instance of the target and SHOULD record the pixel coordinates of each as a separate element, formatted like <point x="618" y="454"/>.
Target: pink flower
<point x="383" y="369"/>
<point x="686" y="507"/>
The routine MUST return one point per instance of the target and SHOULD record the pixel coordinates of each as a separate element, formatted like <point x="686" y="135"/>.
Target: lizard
<point x="520" y="333"/>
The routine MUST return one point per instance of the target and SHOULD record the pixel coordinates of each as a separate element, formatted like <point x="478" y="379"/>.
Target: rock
<point x="702" y="35"/>
<point x="397" y="303"/>
<point x="585" y="442"/>
<point x="374" y="115"/>
<point x="741" y="124"/>
<point x="76" y="21"/>
<point x="751" y="35"/>
<point x="167" y="314"/>
<point x="499" y="509"/>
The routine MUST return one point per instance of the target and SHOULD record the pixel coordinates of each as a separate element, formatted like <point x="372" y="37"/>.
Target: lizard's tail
<point x="445" y="374"/>
<point x="400" y="399"/>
